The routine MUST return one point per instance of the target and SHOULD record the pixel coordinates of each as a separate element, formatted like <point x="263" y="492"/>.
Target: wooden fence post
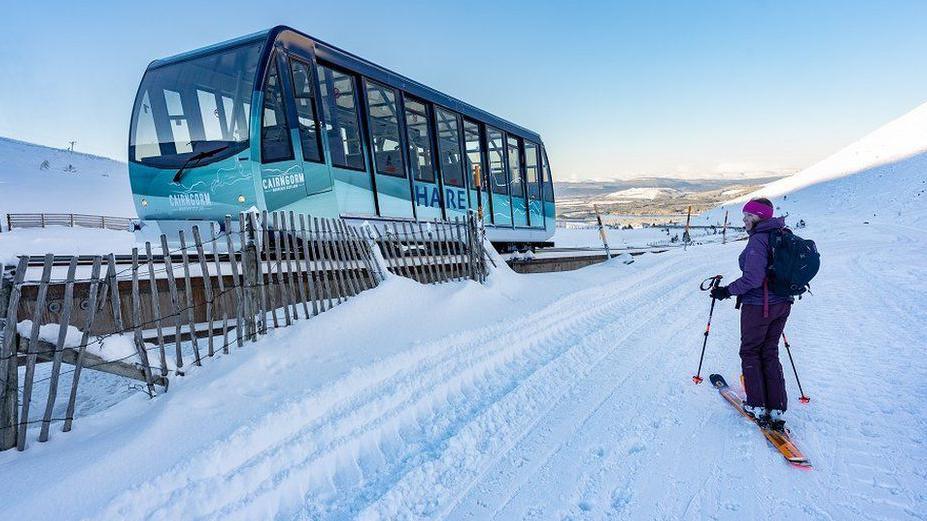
<point x="207" y="288"/>
<point x="175" y="302"/>
<point x="378" y="261"/>
<point x="724" y="230"/>
<point x="318" y="252"/>
<point x="154" y="294"/>
<point x="249" y="271"/>
<point x="239" y="300"/>
<point x="188" y="297"/>
<point x="10" y="282"/>
<point x="79" y="363"/>
<point x="314" y="293"/>
<point x="294" y="250"/>
<point x="137" y="325"/>
<point x="63" y="323"/>
<point x="221" y="300"/>
<point x="32" y="350"/>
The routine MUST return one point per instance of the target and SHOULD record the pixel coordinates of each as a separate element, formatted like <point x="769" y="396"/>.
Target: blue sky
<point x="616" y="89"/>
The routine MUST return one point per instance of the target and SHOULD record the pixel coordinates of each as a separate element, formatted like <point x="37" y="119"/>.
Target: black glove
<point x="720" y="293"/>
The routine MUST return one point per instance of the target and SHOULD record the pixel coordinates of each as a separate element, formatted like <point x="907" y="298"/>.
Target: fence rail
<point x="174" y="308"/>
<point x="43" y="220"/>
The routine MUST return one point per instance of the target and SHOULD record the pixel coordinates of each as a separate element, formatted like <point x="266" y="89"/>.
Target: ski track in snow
<point x="561" y="396"/>
<point x="433" y="400"/>
<point x="584" y="409"/>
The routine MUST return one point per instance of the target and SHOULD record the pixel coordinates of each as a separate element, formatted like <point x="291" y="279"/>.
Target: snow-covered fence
<point x="43" y="220"/>
<point x="433" y="252"/>
<point x="149" y="315"/>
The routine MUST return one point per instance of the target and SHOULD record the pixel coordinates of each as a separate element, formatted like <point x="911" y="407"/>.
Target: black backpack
<point x="793" y="262"/>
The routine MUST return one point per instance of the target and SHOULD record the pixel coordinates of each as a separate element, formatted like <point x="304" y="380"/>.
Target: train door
<point x="344" y="146"/>
<point x="498" y="180"/>
<point x="535" y="187"/>
<point x="517" y="182"/>
<point x="393" y="191"/>
<point x="425" y="192"/>
<point x="318" y="176"/>
<point x="450" y="161"/>
<point x="282" y="176"/>
<point x="477" y="171"/>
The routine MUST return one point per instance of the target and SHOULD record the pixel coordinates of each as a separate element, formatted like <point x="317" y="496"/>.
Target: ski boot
<point x="775" y="420"/>
<point x="758" y="414"/>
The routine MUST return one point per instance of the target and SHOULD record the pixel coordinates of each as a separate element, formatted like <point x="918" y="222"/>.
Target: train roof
<point x="339" y="57"/>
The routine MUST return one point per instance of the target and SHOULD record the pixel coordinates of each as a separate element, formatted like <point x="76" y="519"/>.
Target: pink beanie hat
<point x="759" y="209"/>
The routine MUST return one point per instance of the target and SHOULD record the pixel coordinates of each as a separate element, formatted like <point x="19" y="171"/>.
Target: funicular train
<point x="278" y="120"/>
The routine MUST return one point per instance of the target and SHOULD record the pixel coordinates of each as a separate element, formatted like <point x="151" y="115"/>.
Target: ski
<point x="779" y="439"/>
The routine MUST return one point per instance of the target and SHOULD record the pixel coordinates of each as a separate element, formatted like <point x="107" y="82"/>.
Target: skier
<point x="762" y="318"/>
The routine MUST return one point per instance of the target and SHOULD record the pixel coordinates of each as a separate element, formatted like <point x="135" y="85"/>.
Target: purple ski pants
<point x="759" y="354"/>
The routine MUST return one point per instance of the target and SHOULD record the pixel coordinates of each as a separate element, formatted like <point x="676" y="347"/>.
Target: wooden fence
<point x="181" y="306"/>
<point x="43" y="220"/>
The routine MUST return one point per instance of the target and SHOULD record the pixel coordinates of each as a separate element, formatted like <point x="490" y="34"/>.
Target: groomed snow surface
<point x="552" y="396"/>
<point x="542" y="397"/>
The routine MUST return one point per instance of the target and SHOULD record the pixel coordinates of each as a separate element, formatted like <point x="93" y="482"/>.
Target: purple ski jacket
<point x="753" y="262"/>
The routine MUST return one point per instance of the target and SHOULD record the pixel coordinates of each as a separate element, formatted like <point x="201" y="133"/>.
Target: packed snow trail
<point x="579" y="407"/>
<point x="554" y="396"/>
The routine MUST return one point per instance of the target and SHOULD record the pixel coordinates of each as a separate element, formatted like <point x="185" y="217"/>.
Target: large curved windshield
<point x="194" y="107"/>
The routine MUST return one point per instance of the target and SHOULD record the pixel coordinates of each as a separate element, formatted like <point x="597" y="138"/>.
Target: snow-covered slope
<point x="34" y="178"/>
<point x="642" y="193"/>
<point x="552" y="396"/>
<point x="883" y="176"/>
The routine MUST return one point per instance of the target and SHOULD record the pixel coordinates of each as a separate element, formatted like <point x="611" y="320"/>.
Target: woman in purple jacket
<point x="762" y="318"/>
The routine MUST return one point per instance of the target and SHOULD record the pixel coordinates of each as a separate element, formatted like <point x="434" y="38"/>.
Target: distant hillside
<point x="620" y="200"/>
<point x="642" y="193"/>
<point x="566" y="190"/>
<point x="36" y="178"/>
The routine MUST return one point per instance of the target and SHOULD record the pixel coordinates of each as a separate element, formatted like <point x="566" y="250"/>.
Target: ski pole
<point x="712" y="283"/>
<point x="802" y="398"/>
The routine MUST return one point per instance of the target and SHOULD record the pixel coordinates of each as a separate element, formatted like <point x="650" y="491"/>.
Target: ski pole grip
<point x="712" y="282"/>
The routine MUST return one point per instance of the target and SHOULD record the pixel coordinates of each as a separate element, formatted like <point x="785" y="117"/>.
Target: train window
<point x="449" y="147"/>
<point x="337" y="94"/>
<point x="531" y="171"/>
<point x="209" y="112"/>
<point x="548" y="180"/>
<point x="517" y="184"/>
<point x="305" y="111"/>
<point x="496" y="151"/>
<point x="474" y="151"/>
<point x="179" y="126"/>
<point x="194" y="106"/>
<point x="275" y="133"/>
<point x="419" y="136"/>
<point x="145" y="136"/>
<point x="384" y="127"/>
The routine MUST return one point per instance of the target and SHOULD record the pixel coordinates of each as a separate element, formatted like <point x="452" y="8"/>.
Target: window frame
<point x="548" y="196"/>
<point x="505" y="163"/>
<point x="402" y="173"/>
<point x="537" y="166"/>
<point x="520" y="151"/>
<point x="310" y="67"/>
<point x="322" y="120"/>
<point x="435" y="173"/>
<point x="273" y="64"/>
<point x="460" y="150"/>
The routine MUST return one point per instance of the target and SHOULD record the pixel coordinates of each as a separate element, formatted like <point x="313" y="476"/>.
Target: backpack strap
<point x="765" y="298"/>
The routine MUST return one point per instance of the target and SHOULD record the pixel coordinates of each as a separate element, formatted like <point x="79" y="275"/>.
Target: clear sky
<point x="616" y="89"/>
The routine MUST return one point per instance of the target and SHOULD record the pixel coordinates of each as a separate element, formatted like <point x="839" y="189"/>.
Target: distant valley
<point x="648" y="199"/>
